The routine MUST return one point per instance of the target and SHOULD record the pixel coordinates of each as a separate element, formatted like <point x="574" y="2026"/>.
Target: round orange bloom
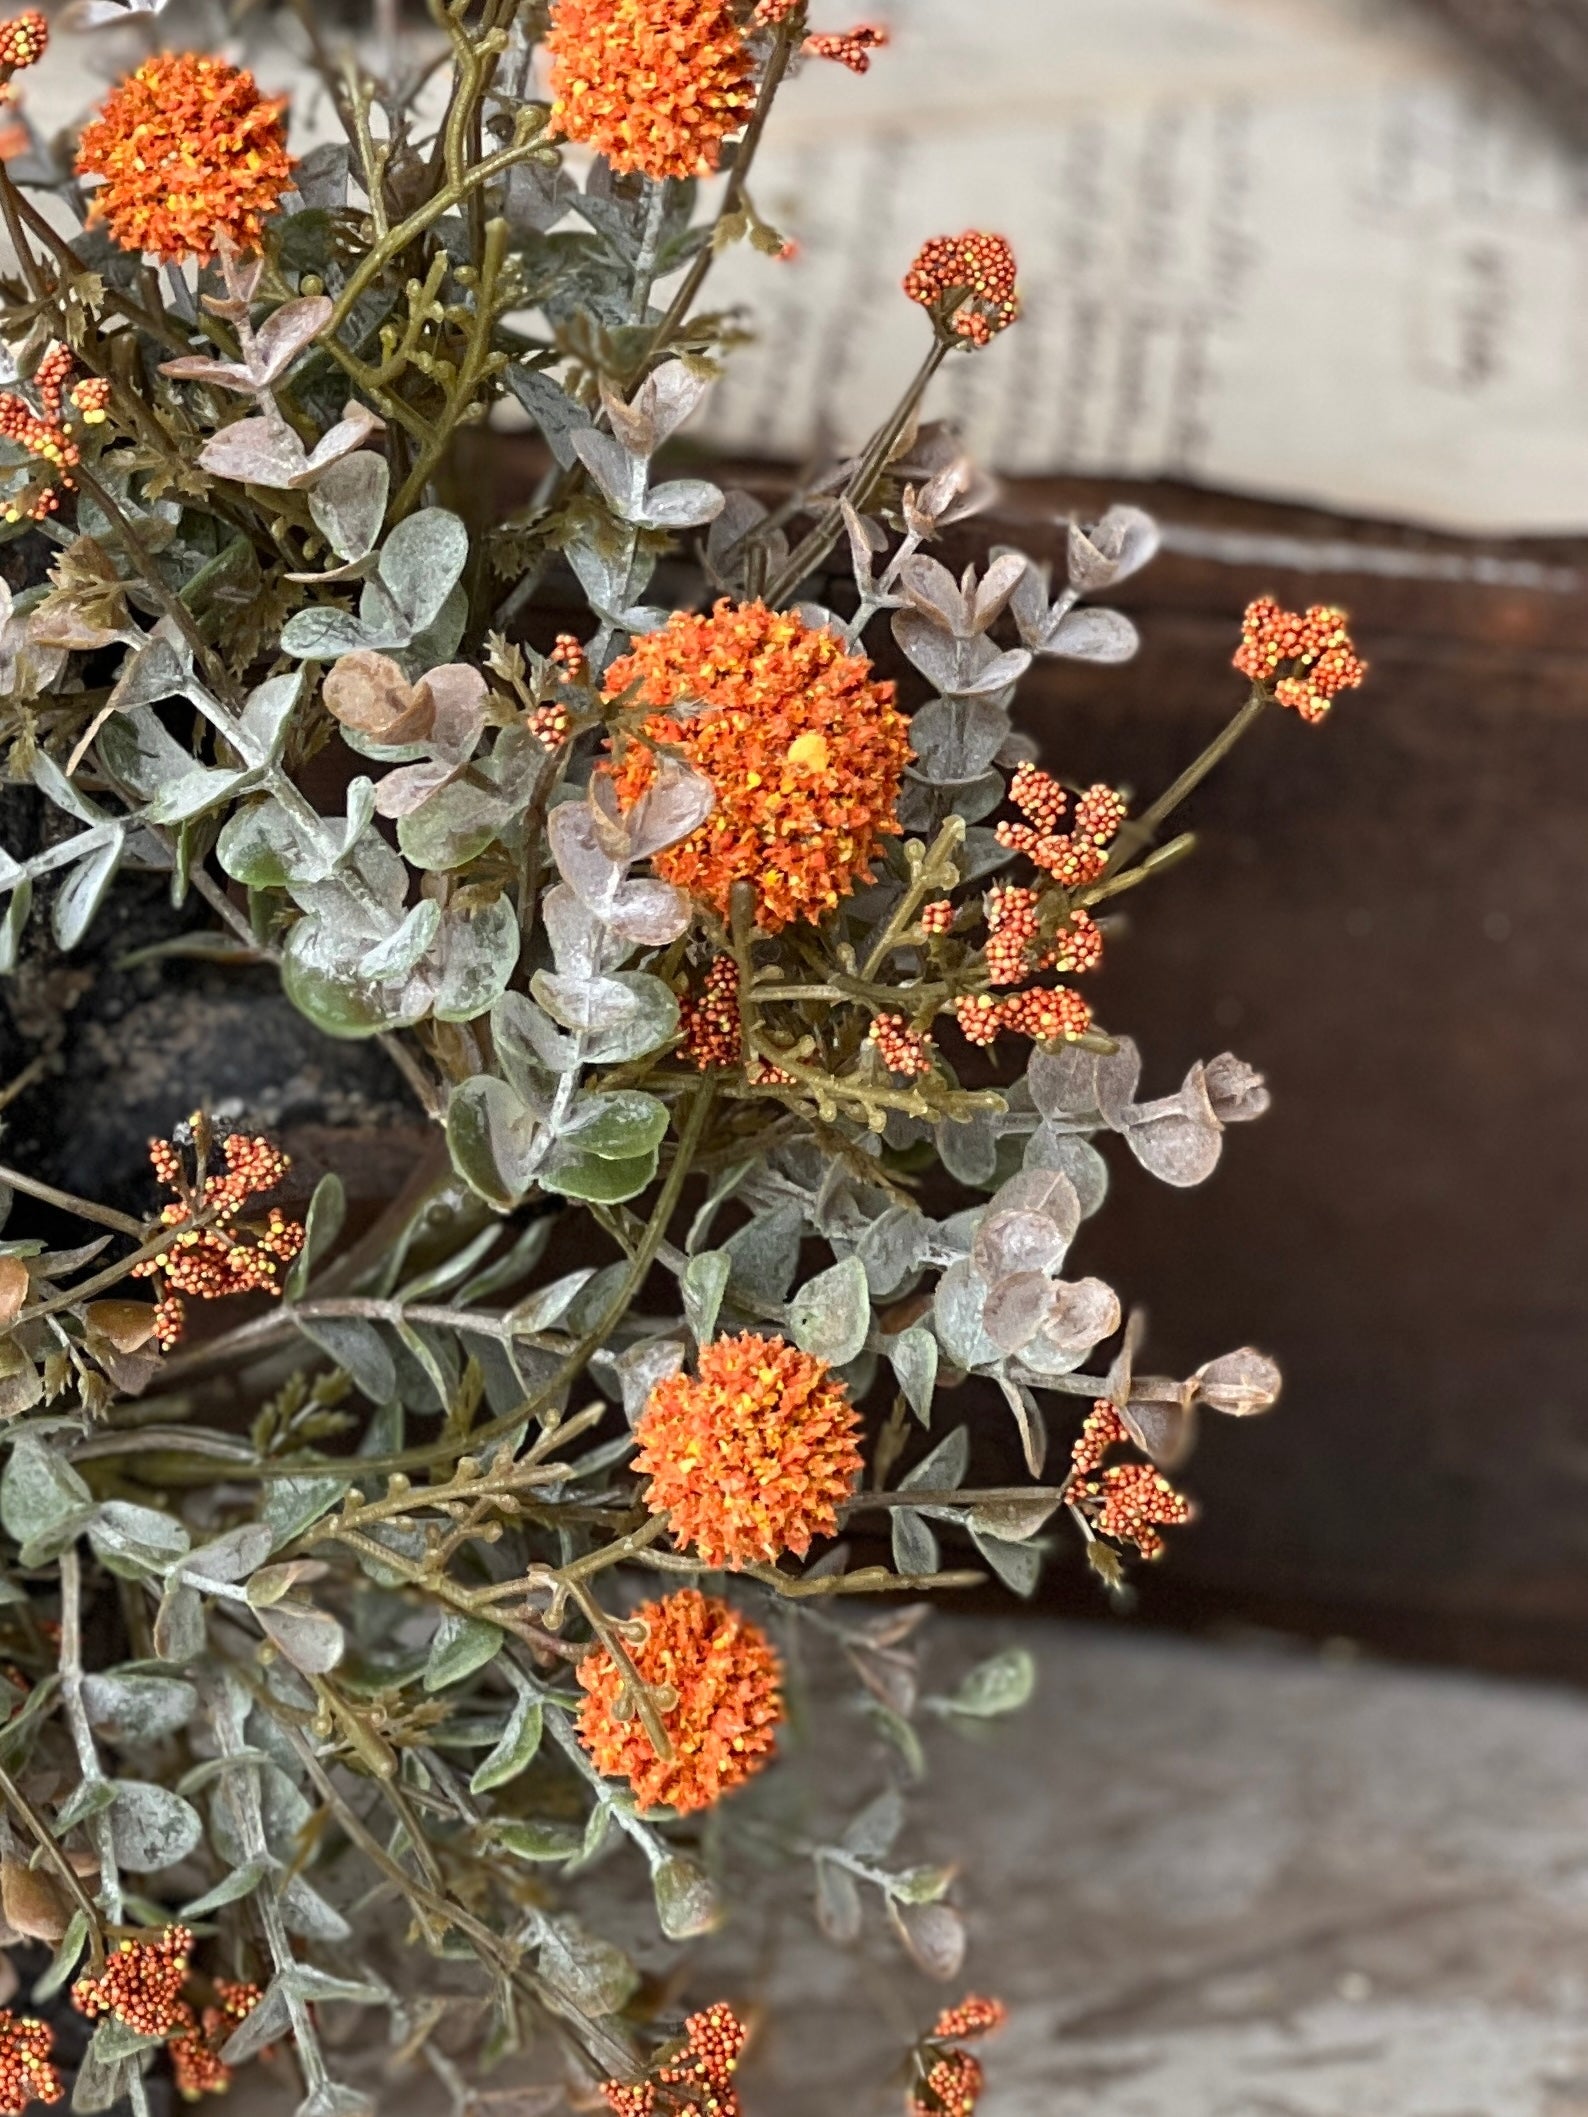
<point x="728" y="1703"/>
<point x="190" y="152"/>
<point x="805" y="750"/>
<point x="750" y="1457"/>
<point x="654" y="85"/>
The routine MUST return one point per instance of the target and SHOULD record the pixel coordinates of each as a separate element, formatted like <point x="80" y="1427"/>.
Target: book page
<point x="1284" y="247"/>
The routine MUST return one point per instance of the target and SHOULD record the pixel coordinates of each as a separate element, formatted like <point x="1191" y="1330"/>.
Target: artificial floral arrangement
<point x="723" y="967"/>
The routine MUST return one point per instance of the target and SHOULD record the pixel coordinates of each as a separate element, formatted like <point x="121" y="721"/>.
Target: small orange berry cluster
<point x="769" y="13"/>
<point x="903" y="1050"/>
<point x="1306" y="656"/>
<point x="26" y="2074"/>
<point x="44" y="432"/>
<point x="24" y="40"/>
<point x="1074" y="857"/>
<point x="228" y="1256"/>
<point x="948" y="2079"/>
<point x="195" y="2045"/>
<point x="709" y="1018"/>
<point x="696" y="2075"/>
<point x="724" y="1681"/>
<point x="938" y="916"/>
<point x="850" y="47"/>
<point x="1015" y="947"/>
<point x="1129" y="1502"/>
<point x="1048" y="1015"/>
<point x="141" y="1985"/>
<point x="552" y="723"/>
<point x="968" y="282"/>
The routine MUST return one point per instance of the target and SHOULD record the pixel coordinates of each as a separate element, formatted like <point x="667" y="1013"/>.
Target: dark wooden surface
<point x="1389" y="915"/>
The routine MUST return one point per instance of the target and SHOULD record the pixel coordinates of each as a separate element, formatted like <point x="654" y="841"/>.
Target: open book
<point x="1288" y="247"/>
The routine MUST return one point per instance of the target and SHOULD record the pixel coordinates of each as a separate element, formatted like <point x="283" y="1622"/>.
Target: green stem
<point x="1141" y="830"/>
<point x="862" y="486"/>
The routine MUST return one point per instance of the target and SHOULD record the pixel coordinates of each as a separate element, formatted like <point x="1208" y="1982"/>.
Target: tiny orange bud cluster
<point x="949" y="2080"/>
<point x="197" y="2067"/>
<point x="851" y="48"/>
<point x="769" y="13"/>
<point x="725" y="1681"/>
<point x="938" y="916"/>
<point x="1012" y="950"/>
<point x="191" y="157"/>
<point x="973" y="2017"/>
<point x="656" y="86"/>
<point x="709" y="1018"/>
<point x="569" y="655"/>
<point x="228" y="1256"/>
<point x="1072" y="858"/>
<point x="903" y="1049"/>
<point x="26" y="2074"/>
<point x="43" y="433"/>
<point x="141" y="1984"/>
<point x="753" y="1455"/>
<point x="1129" y="1502"/>
<point x="23" y="41"/>
<point x="968" y="281"/>
<point x="1307" y="657"/>
<point x="697" y="2076"/>
<point x="1048" y="1015"/>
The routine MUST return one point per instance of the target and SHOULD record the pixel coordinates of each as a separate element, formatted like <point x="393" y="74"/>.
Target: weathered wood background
<point x="1388" y="916"/>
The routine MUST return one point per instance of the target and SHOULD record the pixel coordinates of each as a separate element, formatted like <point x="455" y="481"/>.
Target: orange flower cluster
<point x="191" y="154"/>
<point x="44" y="433"/>
<point x="973" y="2017"/>
<point x="1129" y="1502"/>
<point x="196" y="2065"/>
<point x="769" y="13"/>
<point x="968" y="282"/>
<point x="804" y="749"/>
<point x="1048" y="1015"/>
<point x="195" y="2047"/>
<point x="211" y="1262"/>
<point x="725" y="1681"/>
<point x="1072" y="858"/>
<point x="709" y="1018"/>
<point x="1078" y="946"/>
<point x="904" y="1050"/>
<point x="752" y="1456"/>
<point x="550" y="725"/>
<point x="949" y="2080"/>
<point x="141" y="1985"/>
<point x="654" y="85"/>
<point x="1013" y="951"/>
<point x="569" y="655"/>
<point x="26" y="2074"/>
<point x="938" y="916"/>
<point x="1313" y="649"/>
<point x="24" y="40"/>
<point x="703" y="2068"/>
<point x="851" y="47"/>
<point x="1101" y="1430"/>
